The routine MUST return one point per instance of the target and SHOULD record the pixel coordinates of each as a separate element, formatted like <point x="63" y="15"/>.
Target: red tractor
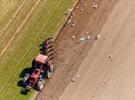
<point x="42" y="69"/>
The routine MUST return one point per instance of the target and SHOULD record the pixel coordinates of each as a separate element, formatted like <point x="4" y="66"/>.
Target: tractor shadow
<point x="24" y="92"/>
<point x="41" y="48"/>
<point x="22" y="74"/>
<point x="27" y="70"/>
<point x="42" y="45"/>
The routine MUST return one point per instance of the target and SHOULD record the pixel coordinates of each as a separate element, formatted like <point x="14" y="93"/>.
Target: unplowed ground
<point x="72" y="46"/>
<point x="24" y="25"/>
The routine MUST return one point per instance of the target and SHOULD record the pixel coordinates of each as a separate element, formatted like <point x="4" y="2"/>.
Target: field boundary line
<point x="20" y="27"/>
<point x="14" y="16"/>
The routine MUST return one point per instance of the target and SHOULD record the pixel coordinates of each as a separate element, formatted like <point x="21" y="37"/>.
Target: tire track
<point x="20" y="27"/>
<point x="14" y="16"/>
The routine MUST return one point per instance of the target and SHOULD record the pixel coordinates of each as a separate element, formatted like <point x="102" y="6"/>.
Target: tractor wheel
<point x="40" y="84"/>
<point x="25" y="78"/>
<point x="28" y="88"/>
<point x="50" y="73"/>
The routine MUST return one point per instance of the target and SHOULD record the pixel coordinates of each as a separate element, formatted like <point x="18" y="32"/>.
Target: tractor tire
<point x="25" y="78"/>
<point x="40" y="84"/>
<point x="28" y="88"/>
<point x="50" y="73"/>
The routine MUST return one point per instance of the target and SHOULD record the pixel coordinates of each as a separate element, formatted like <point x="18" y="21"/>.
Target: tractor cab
<point x="41" y="62"/>
<point x="41" y="59"/>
